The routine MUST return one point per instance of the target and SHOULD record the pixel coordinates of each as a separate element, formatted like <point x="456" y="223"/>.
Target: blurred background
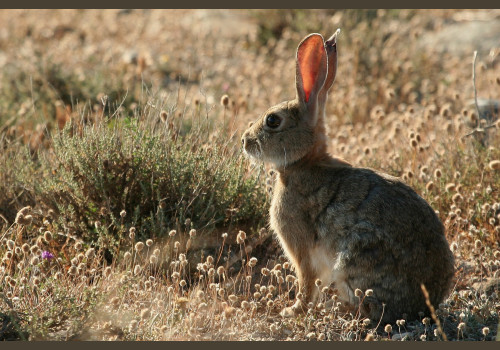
<point x="56" y="60"/>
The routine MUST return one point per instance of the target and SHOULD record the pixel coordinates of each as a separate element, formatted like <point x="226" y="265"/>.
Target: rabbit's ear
<point x="331" y="52"/>
<point x="311" y="70"/>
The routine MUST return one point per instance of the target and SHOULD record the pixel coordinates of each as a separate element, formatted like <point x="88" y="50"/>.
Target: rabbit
<point x="351" y="228"/>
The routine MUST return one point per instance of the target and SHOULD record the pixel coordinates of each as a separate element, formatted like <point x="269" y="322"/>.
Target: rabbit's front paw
<point x="294" y="310"/>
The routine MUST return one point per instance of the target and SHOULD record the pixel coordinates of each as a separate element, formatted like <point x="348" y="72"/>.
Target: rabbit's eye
<point x="273" y="121"/>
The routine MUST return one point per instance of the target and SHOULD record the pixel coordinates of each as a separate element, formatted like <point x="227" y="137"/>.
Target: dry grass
<point x="79" y="108"/>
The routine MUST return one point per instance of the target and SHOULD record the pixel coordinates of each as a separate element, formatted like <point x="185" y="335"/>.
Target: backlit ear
<point x="311" y="69"/>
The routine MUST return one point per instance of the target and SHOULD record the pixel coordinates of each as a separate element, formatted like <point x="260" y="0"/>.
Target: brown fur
<point x="352" y="227"/>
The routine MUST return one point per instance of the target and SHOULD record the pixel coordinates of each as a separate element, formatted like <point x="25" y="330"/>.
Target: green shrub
<point x="159" y="173"/>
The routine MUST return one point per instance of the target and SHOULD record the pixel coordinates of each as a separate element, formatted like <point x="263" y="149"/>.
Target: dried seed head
<point x="127" y="256"/>
<point x="369" y="292"/>
<point x="265" y="271"/>
<point x="192" y="233"/>
<point x="131" y="232"/>
<point x="290" y="278"/>
<point x="26" y="248"/>
<point x="177" y="245"/>
<point x="139" y="246"/>
<point x="426" y="321"/>
<point x="224" y="235"/>
<point x="388" y="328"/>
<point x="153" y="259"/>
<point x="232" y="298"/>
<point x="137" y="269"/>
<point x="486" y="331"/>
<point x="11" y="244"/>
<point x="35" y="249"/>
<point x="429" y="186"/>
<point x="318" y="282"/>
<point x="90" y="253"/>
<point x="359" y="293"/>
<point x="240" y="238"/>
<point x="22" y="217"/>
<point x="35" y="261"/>
<point x="437" y="173"/>
<point x="47" y="236"/>
<point x="449" y="187"/>
<point x="132" y="327"/>
<point x="25" y="210"/>
<point x="457" y="197"/>
<point x="115" y="301"/>
<point x="107" y="271"/>
<point x="461" y="326"/>
<point x="78" y="246"/>
<point x="18" y="251"/>
<point x="478" y="244"/>
<point x="220" y="270"/>
<point x="182" y="283"/>
<point x="72" y="270"/>
<point x="252" y="262"/>
<point x="224" y="101"/>
<point x="149" y="242"/>
<point x="286" y="265"/>
<point x="123" y="213"/>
